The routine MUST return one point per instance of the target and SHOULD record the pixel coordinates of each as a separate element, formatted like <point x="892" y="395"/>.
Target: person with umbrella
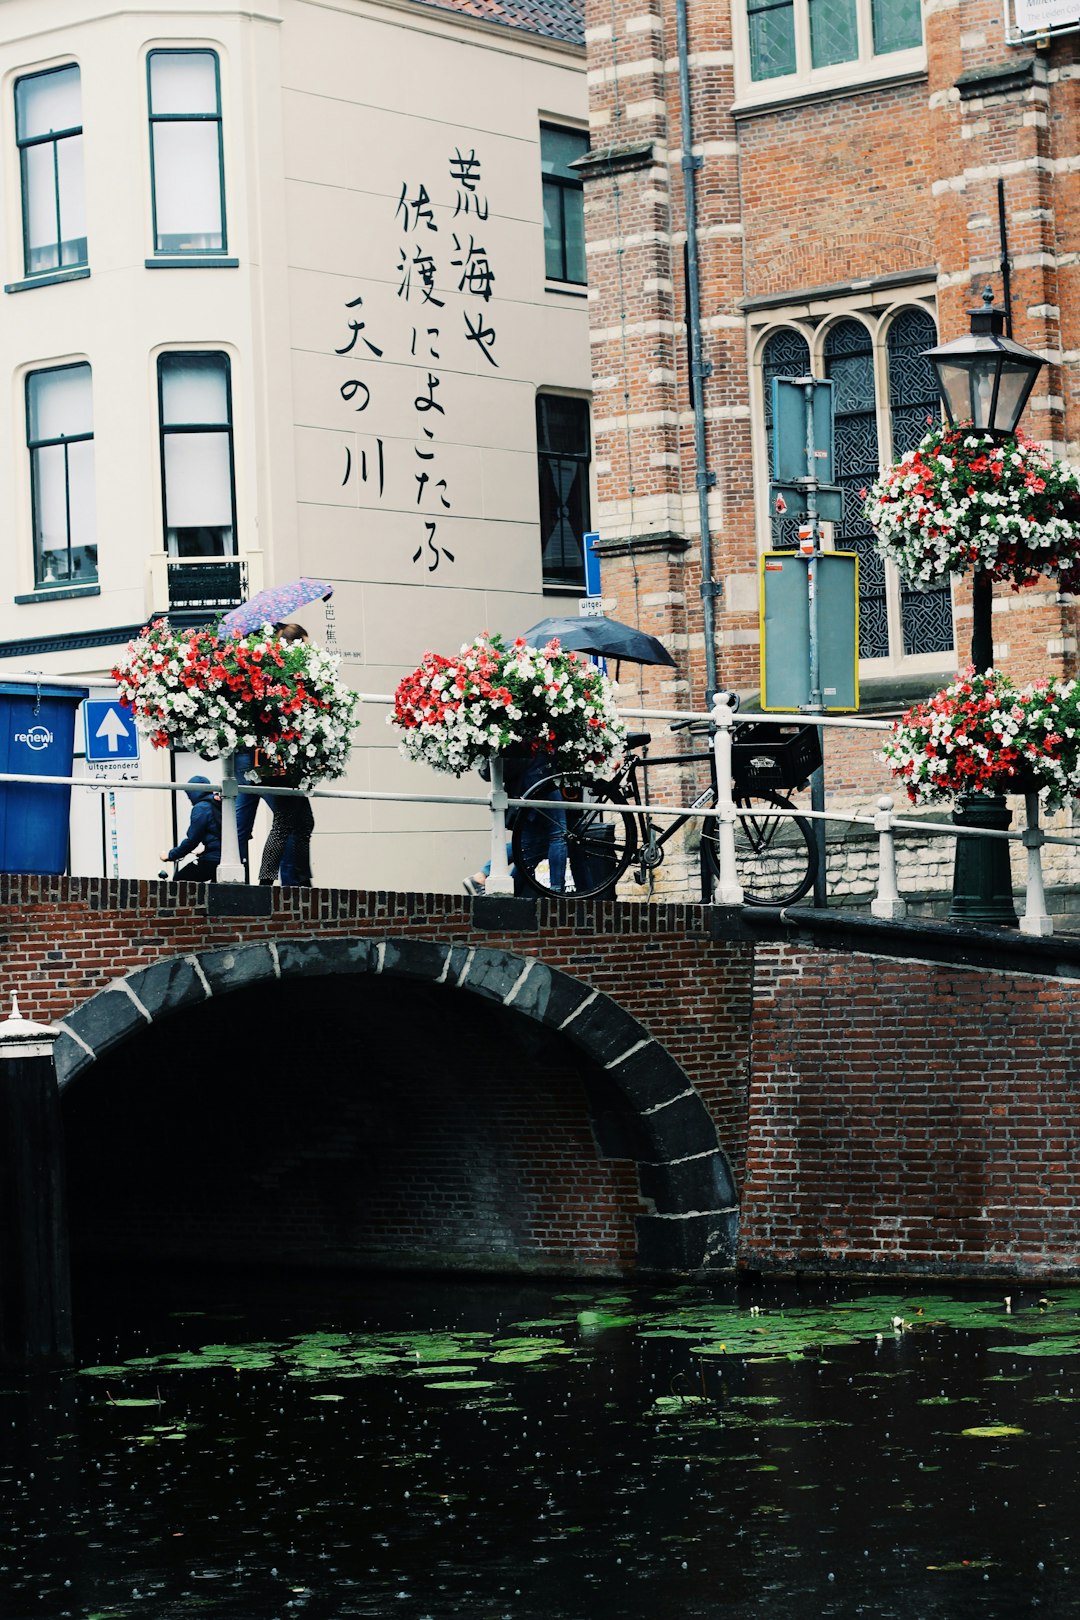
<point x="273" y="606"/>
<point x="294" y="821"/>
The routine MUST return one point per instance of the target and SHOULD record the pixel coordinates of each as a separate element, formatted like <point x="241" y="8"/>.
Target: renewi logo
<point x="37" y="738"/>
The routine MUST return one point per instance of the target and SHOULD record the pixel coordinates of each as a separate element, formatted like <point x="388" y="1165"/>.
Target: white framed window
<point x="187" y="167"/>
<point x="791" y="46"/>
<point x="60" y="441"/>
<point x="198" y="481"/>
<point x="884" y="394"/>
<point x="49" y="136"/>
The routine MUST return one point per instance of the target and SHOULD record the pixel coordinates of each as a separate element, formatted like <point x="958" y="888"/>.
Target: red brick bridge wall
<point x="411" y="1079"/>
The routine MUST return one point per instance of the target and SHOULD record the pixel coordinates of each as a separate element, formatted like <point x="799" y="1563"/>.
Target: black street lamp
<point x="985" y="379"/>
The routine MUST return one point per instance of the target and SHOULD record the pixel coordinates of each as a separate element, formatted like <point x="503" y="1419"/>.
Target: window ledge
<point x="567" y="289"/>
<point x="803" y="93"/>
<point x="564" y="590"/>
<point x="50" y="279"/>
<point x="196" y="262"/>
<point x="64" y="593"/>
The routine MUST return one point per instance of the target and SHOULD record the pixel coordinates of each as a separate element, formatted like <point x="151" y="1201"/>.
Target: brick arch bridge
<point x="683" y="1173"/>
<point x="691" y="1086"/>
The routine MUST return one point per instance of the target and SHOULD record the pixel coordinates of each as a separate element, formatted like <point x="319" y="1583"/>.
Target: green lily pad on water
<point x="464" y="1386"/>
<point x="136" y="1400"/>
<point x="992" y="1431"/>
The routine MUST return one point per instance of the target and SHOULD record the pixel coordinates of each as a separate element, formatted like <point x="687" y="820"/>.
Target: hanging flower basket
<point x="962" y="500"/>
<point x="491" y="698"/>
<point x="188" y="689"/>
<point x="982" y="734"/>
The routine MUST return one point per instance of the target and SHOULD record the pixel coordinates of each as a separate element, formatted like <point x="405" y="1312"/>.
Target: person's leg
<point x="303" y="825"/>
<point x="274" y="847"/>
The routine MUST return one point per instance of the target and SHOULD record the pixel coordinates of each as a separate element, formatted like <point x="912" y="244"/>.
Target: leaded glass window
<point x="772" y="38"/>
<point x="834" y="32"/>
<point x="849" y="362"/>
<point x="926" y="616"/>
<point x="897" y="25"/>
<point x="786" y="354"/>
<point x="804" y="39"/>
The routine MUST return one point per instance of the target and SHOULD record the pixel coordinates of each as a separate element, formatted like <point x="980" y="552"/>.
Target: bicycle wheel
<point x="580" y="850"/>
<point x="776" y="857"/>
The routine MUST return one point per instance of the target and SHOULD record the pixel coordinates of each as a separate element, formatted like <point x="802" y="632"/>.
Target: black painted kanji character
<point x="477" y="276"/>
<point x="380" y="465"/>
<point x="356" y="327"/>
<point x="465" y="173"/>
<point x="424" y="265"/>
<point x="483" y="336"/>
<point x="419" y="206"/>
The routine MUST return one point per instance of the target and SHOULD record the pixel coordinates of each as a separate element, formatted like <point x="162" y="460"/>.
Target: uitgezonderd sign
<point x="1036" y="16"/>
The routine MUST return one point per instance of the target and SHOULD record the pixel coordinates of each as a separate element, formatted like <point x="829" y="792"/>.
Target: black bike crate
<point x="773" y="756"/>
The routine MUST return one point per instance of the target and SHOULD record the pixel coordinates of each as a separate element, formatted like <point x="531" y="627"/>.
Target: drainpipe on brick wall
<point x="700" y="369"/>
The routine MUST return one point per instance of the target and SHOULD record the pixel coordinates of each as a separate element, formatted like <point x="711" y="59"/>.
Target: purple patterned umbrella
<point x="274" y="606"/>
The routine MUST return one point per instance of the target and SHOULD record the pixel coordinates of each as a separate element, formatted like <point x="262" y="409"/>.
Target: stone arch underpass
<point x="676" y="1195"/>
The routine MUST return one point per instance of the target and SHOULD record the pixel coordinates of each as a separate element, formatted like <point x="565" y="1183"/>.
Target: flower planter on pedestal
<point x="982" y="874"/>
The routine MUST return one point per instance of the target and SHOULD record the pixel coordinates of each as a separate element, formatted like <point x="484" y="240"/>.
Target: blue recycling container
<point x="37" y="738"/>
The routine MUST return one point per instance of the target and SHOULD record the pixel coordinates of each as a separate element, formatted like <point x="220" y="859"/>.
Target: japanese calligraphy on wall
<point x="427" y="335"/>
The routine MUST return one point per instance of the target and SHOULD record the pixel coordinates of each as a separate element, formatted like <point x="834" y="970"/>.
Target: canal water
<point x="295" y="1448"/>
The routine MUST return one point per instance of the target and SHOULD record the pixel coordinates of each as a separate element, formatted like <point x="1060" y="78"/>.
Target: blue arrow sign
<point x="110" y="732"/>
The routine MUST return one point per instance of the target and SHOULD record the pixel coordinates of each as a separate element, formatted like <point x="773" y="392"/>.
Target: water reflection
<point x="277" y="1447"/>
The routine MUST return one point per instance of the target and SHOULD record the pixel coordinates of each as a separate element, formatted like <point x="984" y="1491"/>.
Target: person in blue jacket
<point x="204" y="834"/>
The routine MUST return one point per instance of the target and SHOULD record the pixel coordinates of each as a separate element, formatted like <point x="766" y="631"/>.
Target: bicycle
<point x="606" y="832"/>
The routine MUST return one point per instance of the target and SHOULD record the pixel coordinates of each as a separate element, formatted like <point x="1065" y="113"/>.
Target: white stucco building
<point x="281" y="300"/>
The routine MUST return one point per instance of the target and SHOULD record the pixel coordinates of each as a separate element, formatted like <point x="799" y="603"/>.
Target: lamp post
<point x="985" y="379"/>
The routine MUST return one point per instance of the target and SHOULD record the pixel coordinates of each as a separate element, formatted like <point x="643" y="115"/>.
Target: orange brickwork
<point x="812" y="194"/>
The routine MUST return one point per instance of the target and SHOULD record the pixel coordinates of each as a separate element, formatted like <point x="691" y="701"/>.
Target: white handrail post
<point x="499" y="879"/>
<point x="1035" y="919"/>
<point x="230" y="867"/>
<point x="727" y="890"/>
<point x="887" y="902"/>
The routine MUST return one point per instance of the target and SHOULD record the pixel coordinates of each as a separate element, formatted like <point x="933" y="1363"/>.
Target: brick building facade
<point x="847" y="159"/>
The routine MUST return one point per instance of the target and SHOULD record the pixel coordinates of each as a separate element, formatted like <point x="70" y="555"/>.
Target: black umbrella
<point x="606" y="638"/>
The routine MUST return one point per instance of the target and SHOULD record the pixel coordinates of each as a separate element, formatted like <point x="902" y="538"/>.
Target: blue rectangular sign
<point x="592" y="563"/>
<point x="110" y="731"/>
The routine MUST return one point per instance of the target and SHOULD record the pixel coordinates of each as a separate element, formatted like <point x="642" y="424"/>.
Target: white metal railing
<point x="887" y="901"/>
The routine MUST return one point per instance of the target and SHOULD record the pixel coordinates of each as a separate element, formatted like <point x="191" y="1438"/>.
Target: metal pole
<point x="499" y="879"/>
<point x="699" y="369"/>
<point x="1006" y="269"/>
<point x="728" y="890"/>
<point x="815" y="705"/>
<point x="230" y="867"/>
